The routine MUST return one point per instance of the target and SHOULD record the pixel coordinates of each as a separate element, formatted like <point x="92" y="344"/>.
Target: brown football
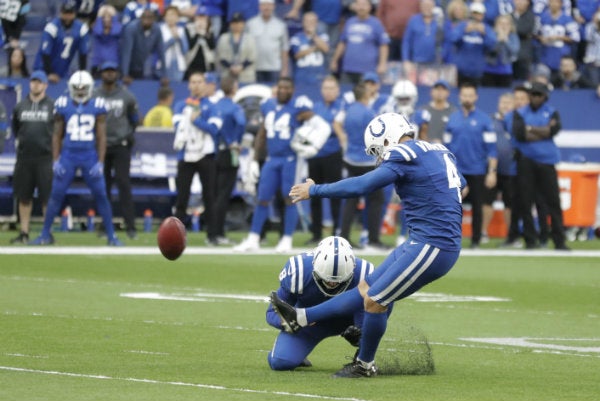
<point x="171" y="238"/>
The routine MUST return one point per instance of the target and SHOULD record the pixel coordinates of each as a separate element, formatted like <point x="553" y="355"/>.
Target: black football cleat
<point x="286" y="312"/>
<point x="356" y="370"/>
<point x="305" y="363"/>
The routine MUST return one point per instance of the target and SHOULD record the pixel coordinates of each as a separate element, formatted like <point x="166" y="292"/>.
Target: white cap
<point x="477" y="7"/>
<point x="266" y="1"/>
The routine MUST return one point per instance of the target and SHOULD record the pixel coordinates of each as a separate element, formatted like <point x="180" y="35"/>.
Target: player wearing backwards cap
<point x="121" y="121"/>
<point x="426" y="178"/>
<point x="78" y="143"/>
<point x="282" y="117"/>
<point x="62" y="38"/>
<point x="309" y="279"/>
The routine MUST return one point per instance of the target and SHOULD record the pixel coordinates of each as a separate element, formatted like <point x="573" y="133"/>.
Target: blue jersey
<point x="281" y="121"/>
<point x="564" y="25"/>
<point x="472" y="139"/>
<point x="470" y="48"/>
<point x="420" y="40"/>
<point x="363" y="39"/>
<point x="328" y="112"/>
<point x="80" y="122"/>
<point x="61" y="44"/>
<point x="427" y="180"/>
<point x="298" y="287"/>
<point x="309" y="69"/>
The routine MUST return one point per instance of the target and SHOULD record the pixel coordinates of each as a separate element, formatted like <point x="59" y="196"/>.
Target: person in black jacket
<point x="534" y="128"/>
<point x="32" y="125"/>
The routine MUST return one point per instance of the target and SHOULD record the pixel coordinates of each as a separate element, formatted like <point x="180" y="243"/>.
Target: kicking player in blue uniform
<point x="282" y="116"/>
<point x="62" y="38"/>
<point x="309" y="279"/>
<point x="78" y="143"/>
<point x="427" y="180"/>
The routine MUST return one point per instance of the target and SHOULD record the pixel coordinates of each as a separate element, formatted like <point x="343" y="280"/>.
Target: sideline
<point x="197" y="250"/>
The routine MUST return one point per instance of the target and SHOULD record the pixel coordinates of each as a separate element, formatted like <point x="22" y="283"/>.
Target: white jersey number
<point x="81" y="127"/>
<point x="278" y="128"/>
<point x="453" y="176"/>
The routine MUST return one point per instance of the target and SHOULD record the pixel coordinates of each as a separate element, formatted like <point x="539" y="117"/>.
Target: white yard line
<point x="177" y="383"/>
<point x="512" y="345"/>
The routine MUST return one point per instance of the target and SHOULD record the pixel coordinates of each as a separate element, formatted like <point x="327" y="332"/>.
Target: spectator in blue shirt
<point x="62" y="38"/>
<point x="557" y="33"/>
<point x="471" y="137"/>
<point x="363" y="46"/>
<point x="423" y="36"/>
<point x="308" y="49"/>
<point x="472" y="38"/>
<point x="106" y="34"/>
<point x="456" y="12"/>
<point x="499" y="60"/>
<point x="142" y="45"/>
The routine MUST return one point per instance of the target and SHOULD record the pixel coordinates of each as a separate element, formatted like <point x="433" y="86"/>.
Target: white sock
<point x="301" y="317"/>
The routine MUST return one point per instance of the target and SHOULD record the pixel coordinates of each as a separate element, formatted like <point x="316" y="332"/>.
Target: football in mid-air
<point x="171" y="238"/>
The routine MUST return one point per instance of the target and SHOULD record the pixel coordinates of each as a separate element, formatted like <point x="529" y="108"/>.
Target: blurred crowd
<point x="490" y="42"/>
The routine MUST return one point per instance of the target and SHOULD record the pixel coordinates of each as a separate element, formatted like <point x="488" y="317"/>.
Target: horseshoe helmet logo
<point x="381" y="132"/>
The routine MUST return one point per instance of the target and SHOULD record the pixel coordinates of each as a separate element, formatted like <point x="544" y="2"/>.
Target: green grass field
<point x="111" y="326"/>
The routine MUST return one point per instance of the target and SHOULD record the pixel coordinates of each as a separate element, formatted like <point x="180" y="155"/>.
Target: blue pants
<point x="72" y="161"/>
<point x="290" y="350"/>
<point x="277" y="174"/>
<point x="408" y="268"/>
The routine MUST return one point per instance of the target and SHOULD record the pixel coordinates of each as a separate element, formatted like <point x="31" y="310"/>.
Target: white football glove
<point x="253" y="172"/>
<point x="310" y="137"/>
<point x="250" y="178"/>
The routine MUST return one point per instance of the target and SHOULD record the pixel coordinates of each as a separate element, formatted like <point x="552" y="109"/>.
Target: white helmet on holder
<point x="405" y="95"/>
<point x="333" y="265"/>
<point x="385" y="131"/>
<point x="81" y="86"/>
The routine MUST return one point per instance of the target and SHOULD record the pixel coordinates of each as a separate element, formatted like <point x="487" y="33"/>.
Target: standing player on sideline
<point x="282" y="116"/>
<point x="309" y="279"/>
<point x="78" y="143"/>
<point x="121" y="121"/>
<point x="427" y="180"/>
